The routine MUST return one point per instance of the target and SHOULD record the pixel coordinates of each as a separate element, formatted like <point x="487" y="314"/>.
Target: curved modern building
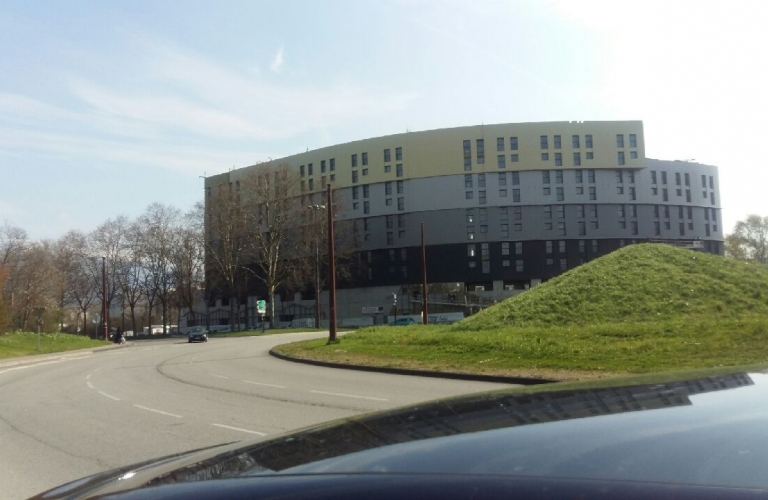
<point x="510" y="205"/>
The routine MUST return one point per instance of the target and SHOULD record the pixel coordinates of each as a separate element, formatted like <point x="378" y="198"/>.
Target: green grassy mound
<point x="638" y="283"/>
<point x="25" y="343"/>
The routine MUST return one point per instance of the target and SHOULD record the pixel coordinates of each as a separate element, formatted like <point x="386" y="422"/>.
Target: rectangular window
<point x="322" y="166"/>
<point x="301" y="169"/>
<point x="519" y="266"/>
<point x="563" y="265"/>
<point x="390" y="239"/>
<point x="666" y="212"/>
<point x="591" y="176"/>
<point x="622" y="212"/>
<point x="332" y="164"/>
<point x="558" y="176"/>
<point x="309" y="169"/>
<point x="664" y="195"/>
<point x="401" y="203"/>
<point x="499" y="144"/>
<point x="619" y="140"/>
<point x="400" y="187"/>
<point x="366" y="207"/>
<point x="354" y="176"/>
<point x="631" y="177"/>
<point x="547" y="191"/>
<point x="354" y="160"/>
<point x="590" y="155"/>
<point x="388" y="202"/>
<point x="366" y="191"/>
<point x="593" y="224"/>
<point x="547" y="211"/>
<point x="578" y="174"/>
<point x="633" y="155"/>
<point x="706" y="229"/>
<point x="621" y="158"/>
<point x="592" y="193"/>
<point x="544" y="142"/>
<point x="365" y="158"/>
<point x="633" y="211"/>
<point x="483" y="229"/>
<point x="561" y="211"/>
<point x="582" y="228"/>
<point x="468" y="181"/>
<point x="558" y="159"/>
<point x="505" y="230"/>
<point x="387" y="157"/>
<point x="311" y="184"/>
<point x="502" y="178"/>
<point x="513" y="143"/>
<point x="470" y="233"/>
<point x="548" y="247"/>
<point x="517" y="213"/>
<point x="711" y="182"/>
<point x="561" y="228"/>
<point x="682" y="228"/>
<point x="576" y="159"/>
<point x="516" y="196"/>
<point x="471" y="250"/>
<point x="365" y="172"/>
<point x="632" y="195"/>
<point x="518" y="228"/>
<point x="399" y="170"/>
<point x="545" y="156"/>
<point x="481" y="180"/>
<point x="592" y="211"/>
<point x="481" y="197"/>
<point x="518" y="248"/>
<point x="505" y="263"/>
<point x="388" y="189"/>
<point x="486" y="266"/>
<point x="561" y="246"/>
<point x="469" y="195"/>
<point x="515" y="178"/>
<point x="632" y="140"/>
<point x="656" y="228"/>
<point x="688" y="195"/>
<point x="398" y="154"/>
<point x="483" y="215"/>
<point x="580" y="211"/>
<point x="470" y="216"/>
<point x="579" y="189"/>
<point x="677" y="178"/>
<point x="557" y="142"/>
<point x="548" y="226"/>
<point x="501" y="161"/>
<point x="704" y="181"/>
<point x="633" y="226"/>
<point x="513" y="158"/>
<point x="545" y="177"/>
<point x="560" y="194"/>
<point x="588" y="141"/>
<point x="663" y="177"/>
<point x="390" y="221"/>
<point x="505" y="248"/>
<point x="480" y="151"/>
<point x="575" y="141"/>
<point x="502" y="193"/>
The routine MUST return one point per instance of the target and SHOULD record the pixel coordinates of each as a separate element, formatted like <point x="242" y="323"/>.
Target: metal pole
<point x="104" y="295"/>
<point x="317" y="279"/>
<point x="331" y="270"/>
<point x="424" y="301"/>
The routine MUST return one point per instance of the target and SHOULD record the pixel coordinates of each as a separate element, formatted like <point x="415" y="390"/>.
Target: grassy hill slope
<point x="638" y="283"/>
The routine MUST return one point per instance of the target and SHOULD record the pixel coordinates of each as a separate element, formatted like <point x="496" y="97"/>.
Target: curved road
<point x="67" y="416"/>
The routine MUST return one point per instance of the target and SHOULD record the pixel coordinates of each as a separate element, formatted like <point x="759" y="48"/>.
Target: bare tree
<point x="109" y="241"/>
<point x="272" y="198"/>
<point x="749" y="240"/>
<point x="32" y="283"/>
<point x="187" y="258"/>
<point x="132" y="275"/>
<point x="227" y="222"/>
<point x="158" y="225"/>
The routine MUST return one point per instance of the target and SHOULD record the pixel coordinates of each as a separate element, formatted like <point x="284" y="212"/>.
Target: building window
<point x="590" y="155"/>
<point x="390" y="221"/>
<point x="558" y="159"/>
<point x="653" y="177"/>
<point x="332" y="164"/>
<point x="502" y="193"/>
<point x="592" y="193"/>
<point x="366" y="191"/>
<point x="560" y="211"/>
<point x="576" y="159"/>
<point x="558" y="176"/>
<point x="663" y="177"/>
<point x="499" y="144"/>
<point x="505" y="263"/>
<point x="401" y="203"/>
<point x="400" y="187"/>
<point x="354" y="160"/>
<point x="579" y="177"/>
<point x="354" y="177"/>
<point x="588" y="141"/>
<point x="547" y="191"/>
<point x="704" y="181"/>
<point x="486" y="266"/>
<point x="633" y="155"/>
<point x="470" y="233"/>
<point x="518" y="228"/>
<point x="547" y="211"/>
<point x="631" y="177"/>
<point x="388" y="188"/>
<point x="365" y="172"/>
<point x="399" y="170"/>
<point x="365" y="159"/>
<point x="398" y="154"/>
<point x="513" y="143"/>
<point x="563" y="265"/>
<point x="481" y="197"/>
<point x="483" y="215"/>
<point x="502" y="161"/>
<point x="481" y="180"/>
<point x="472" y="264"/>
<point x="560" y="194"/>
<point x="595" y="247"/>
<point x="311" y="184"/>
<point x="582" y="228"/>
<point x="690" y="212"/>
<point x="621" y="158"/>
<point x="711" y="182"/>
<point x="619" y="140"/>
<point x="388" y="202"/>
<point x="502" y="178"/>
<point x="548" y="247"/>
<point x="633" y="225"/>
<point x="505" y="248"/>
<point x="579" y="190"/>
<point x="516" y="196"/>
<point x="687" y="179"/>
<point x="387" y="157"/>
<point x="593" y="224"/>
<point x="632" y="195"/>
<point x="514" y="158"/>
<point x="480" y="151"/>
<point x="545" y="177"/>
<point x="505" y="230"/>
<point x="470" y="250"/>
<point x="682" y="228"/>
<point x="561" y="228"/>
<point x="468" y="181"/>
<point x="656" y="228"/>
<point x="632" y="140"/>
<point x="619" y="189"/>
<point x="517" y="213"/>
<point x="390" y="238"/>
<point x="664" y="195"/>
<point x="366" y="207"/>
<point x="301" y="169"/>
<point x="575" y="141"/>
<point x="544" y="142"/>
<point x="688" y="195"/>
<point x="548" y="226"/>
<point x="518" y="248"/>
<point x="580" y="211"/>
<point x="706" y="229"/>
<point x="591" y="176"/>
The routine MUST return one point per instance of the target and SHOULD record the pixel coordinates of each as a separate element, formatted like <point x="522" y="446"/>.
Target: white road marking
<point x="89" y="376"/>
<point x="108" y="396"/>
<point x="266" y="385"/>
<point x="17" y="368"/>
<point x="214" y="375"/>
<point x="150" y="348"/>
<point x="238" y="429"/>
<point x="90" y="385"/>
<point x="349" y="395"/>
<point x="158" y="411"/>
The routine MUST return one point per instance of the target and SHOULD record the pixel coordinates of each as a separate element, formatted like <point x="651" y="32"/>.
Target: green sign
<point x="261" y="306"/>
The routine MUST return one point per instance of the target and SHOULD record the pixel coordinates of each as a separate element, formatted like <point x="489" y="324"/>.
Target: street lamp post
<point x="425" y="302"/>
<point x="331" y="270"/>
<point x="317" y="265"/>
<point x="104" y="318"/>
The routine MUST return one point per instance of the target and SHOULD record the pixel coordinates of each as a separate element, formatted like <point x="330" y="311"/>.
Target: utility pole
<point x="104" y="295"/>
<point x="424" y="301"/>
<point x="331" y="270"/>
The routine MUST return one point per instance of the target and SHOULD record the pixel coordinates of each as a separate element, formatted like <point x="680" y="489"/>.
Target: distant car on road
<point x="197" y="334"/>
<point x="403" y="322"/>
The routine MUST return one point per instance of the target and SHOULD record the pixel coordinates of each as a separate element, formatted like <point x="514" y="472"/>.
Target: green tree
<point x="749" y="240"/>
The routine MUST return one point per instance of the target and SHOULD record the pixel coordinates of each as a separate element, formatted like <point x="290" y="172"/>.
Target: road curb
<point x="419" y="373"/>
<point x="36" y="358"/>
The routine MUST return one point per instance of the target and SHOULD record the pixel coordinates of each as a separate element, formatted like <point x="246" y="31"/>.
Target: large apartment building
<point x="504" y="206"/>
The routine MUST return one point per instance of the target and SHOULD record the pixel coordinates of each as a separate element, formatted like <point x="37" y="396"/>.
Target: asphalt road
<point x="75" y="414"/>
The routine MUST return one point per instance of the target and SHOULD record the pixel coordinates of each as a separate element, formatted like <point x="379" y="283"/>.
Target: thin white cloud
<point x="277" y="62"/>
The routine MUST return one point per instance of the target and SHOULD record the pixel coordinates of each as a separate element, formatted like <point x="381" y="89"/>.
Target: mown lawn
<point x="25" y="343"/>
<point x="560" y="353"/>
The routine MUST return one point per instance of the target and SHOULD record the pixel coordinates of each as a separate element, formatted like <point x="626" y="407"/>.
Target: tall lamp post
<point x="317" y="265"/>
<point x="104" y="296"/>
<point x="331" y="270"/>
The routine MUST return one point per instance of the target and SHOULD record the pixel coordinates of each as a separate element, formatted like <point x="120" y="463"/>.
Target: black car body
<point x="702" y="437"/>
<point x="197" y="334"/>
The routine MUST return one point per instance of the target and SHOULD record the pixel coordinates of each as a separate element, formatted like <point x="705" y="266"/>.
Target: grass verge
<point x="554" y="352"/>
<point x="259" y="333"/>
<point x="25" y="343"/>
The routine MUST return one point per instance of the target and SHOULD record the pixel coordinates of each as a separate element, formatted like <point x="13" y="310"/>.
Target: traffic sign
<point x="261" y="306"/>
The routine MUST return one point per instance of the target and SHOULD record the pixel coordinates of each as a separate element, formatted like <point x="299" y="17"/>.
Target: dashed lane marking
<point x="261" y="383"/>
<point x="349" y="395"/>
<point x="215" y="375"/>
<point x="109" y="396"/>
<point x="238" y="429"/>
<point x="158" y="411"/>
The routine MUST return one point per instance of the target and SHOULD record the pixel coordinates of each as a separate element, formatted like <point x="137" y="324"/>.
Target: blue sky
<point x="107" y="107"/>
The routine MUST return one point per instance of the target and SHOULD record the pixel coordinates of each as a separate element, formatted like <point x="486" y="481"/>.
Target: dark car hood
<point x="707" y="431"/>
